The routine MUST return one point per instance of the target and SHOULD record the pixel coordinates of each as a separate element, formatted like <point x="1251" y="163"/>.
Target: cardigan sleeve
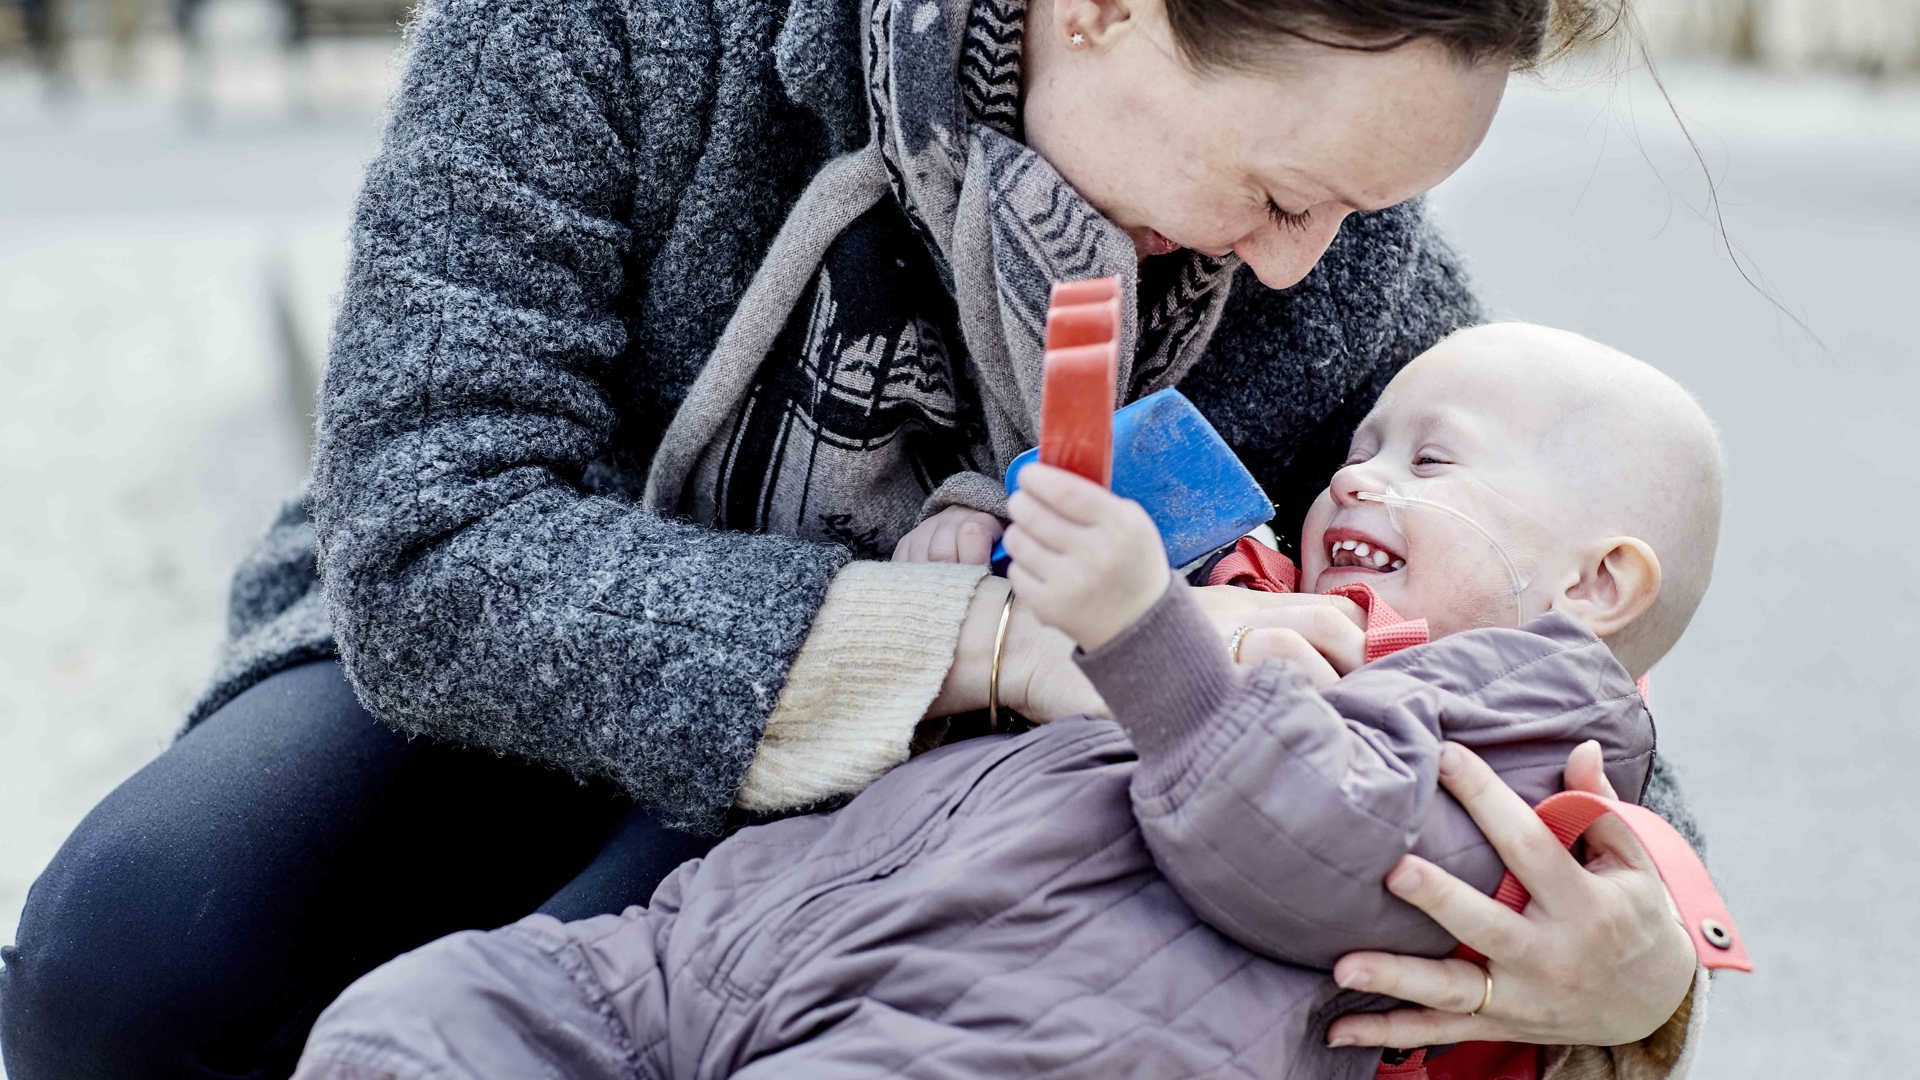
<point x="479" y="592"/>
<point x="879" y="649"/>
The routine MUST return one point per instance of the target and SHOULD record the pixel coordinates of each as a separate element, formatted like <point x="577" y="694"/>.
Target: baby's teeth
<point x="1360" y="549"/>
<point x="1398" y="563"/>
<point x="1379" y="559"/>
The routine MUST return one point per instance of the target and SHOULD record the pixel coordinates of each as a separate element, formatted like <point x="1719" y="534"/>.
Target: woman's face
<point x="1264" y="165"/>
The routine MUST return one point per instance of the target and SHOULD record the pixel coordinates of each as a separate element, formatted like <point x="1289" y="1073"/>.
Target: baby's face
<point x="1466" y="435"/>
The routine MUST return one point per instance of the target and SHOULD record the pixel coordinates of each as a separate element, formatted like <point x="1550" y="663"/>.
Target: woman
<point x="660" y="315"/>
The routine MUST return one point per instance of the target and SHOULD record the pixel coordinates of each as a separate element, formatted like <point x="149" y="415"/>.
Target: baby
<point x="1163" y="893"/>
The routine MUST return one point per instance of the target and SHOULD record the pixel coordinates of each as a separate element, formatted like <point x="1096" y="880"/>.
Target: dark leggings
<point x="198" y="920"/>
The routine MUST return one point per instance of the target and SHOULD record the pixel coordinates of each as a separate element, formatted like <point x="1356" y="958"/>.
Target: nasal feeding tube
<point x="1393" y="500"/>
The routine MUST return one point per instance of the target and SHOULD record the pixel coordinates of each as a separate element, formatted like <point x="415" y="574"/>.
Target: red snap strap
<point x="1253" y="565"/>
<point x="1388" y="631"/>
<point x="1716" y="941"/>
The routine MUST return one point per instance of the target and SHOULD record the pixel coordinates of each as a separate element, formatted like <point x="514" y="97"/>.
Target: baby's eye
<point x="1426" y="458"/>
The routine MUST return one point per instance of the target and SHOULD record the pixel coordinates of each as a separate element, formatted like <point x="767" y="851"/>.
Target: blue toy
<point x="1171" y="461"/>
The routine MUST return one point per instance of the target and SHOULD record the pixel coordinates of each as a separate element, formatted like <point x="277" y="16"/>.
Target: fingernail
<point x="1404" y="877"/>
<point x="1449" y="759"/>
<point x="1338" y="1041"/>
<point x="1353" y="979"/>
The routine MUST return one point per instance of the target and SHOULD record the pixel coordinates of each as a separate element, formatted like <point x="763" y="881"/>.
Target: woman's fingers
<point x="944" y="545"/>
<point x="911" y="548"/>
<point x="1455" y="986"/>
<point x="1408" y="1029"/>
<point x="1329" y="630"/>
<point x="975" y="544"/>
<point x="1522" y="840"/>
<point x="1479" y="921"/>
<point x="1262" y="644"/>
<point x="1586" y="771"/>
<point x="1331" y="624"/>
<point x="1228" y="606"/>
<point x="1297" y="633"/>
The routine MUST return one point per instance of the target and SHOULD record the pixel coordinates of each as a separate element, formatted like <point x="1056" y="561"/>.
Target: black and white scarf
<point x="886" y="360"/>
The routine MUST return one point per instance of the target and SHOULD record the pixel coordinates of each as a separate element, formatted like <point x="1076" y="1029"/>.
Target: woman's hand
<point x="957" y="534"/>
<point x="1324" y="635"/>
<point x="1038" y="677"/>
<point x="1599" y="958"/>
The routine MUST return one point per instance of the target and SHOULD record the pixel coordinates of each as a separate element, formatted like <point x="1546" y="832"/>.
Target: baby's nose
<point x="1350" y="481"/>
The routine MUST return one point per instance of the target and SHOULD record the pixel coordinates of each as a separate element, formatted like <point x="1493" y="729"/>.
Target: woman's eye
<point x="1287" y="219"/>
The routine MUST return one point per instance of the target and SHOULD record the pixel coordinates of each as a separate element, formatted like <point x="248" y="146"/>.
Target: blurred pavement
<point x="145" y="428"/>
<point x="1789" y="705"/>
<point x="145" y="435"/>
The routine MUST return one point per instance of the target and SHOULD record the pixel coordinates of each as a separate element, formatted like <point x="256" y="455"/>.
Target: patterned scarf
<point x="886" y="359"/>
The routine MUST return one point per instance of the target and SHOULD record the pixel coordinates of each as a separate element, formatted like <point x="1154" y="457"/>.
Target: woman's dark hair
<point x="1519" y="33"/>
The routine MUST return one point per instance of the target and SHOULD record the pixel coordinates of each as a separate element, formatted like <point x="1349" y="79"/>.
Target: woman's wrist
<point x="965" y="687"/>
<point x="1038" y="677"/>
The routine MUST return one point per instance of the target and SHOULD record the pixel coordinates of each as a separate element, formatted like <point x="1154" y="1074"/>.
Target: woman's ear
<point x="1097" y="22"/>
<point x="1619" y="580"/>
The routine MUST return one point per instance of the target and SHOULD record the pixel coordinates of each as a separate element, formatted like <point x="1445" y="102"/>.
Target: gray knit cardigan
<point x="571" y="197"/>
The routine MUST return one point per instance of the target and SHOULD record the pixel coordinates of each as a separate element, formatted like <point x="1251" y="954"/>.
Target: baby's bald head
<point x="1599" y="475"/>
<point x="1638" y="456"/>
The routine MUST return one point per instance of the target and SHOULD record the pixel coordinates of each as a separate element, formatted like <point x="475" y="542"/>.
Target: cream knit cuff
<point x="874" y="660"/>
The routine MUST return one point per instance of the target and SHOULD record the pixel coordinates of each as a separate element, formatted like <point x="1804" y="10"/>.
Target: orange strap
<point x="1569" y="814"/>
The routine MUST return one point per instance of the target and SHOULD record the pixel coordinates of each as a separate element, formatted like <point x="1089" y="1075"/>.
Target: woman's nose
<point x="1281" y="256"/>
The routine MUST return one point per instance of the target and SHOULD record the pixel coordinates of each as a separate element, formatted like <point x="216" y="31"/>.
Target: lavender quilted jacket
<point x="1157" y="896"/>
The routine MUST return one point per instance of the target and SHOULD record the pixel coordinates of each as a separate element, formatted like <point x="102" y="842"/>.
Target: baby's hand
<point x="1084" y="559"/>
<point x="956" y="535"/>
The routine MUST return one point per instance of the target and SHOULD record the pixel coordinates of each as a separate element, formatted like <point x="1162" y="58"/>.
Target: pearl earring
<point x="1078" y="39"/>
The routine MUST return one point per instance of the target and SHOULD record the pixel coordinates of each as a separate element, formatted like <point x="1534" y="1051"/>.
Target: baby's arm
<point x="1276" y="809"/>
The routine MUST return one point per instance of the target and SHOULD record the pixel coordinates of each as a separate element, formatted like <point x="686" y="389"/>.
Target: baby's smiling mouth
<point x="1351" y="552"/>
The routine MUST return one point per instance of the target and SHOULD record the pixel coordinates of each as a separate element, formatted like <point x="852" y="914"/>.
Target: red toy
<point x="1077" y="399"/>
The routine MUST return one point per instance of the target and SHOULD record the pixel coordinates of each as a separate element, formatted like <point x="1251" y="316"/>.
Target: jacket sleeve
<point x="479" y="593"/>
<point x="1276" y="810"/>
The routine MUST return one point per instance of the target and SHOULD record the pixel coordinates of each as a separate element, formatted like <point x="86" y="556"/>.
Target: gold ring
<point x="1233" y="645"/>
<point x="1486" y="999"/>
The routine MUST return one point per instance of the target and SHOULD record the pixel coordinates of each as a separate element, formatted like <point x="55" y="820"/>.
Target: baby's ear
<point x="1619" y="580"/>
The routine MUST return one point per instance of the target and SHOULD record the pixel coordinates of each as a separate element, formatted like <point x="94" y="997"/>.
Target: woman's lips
<point x="1152" y="243"/>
